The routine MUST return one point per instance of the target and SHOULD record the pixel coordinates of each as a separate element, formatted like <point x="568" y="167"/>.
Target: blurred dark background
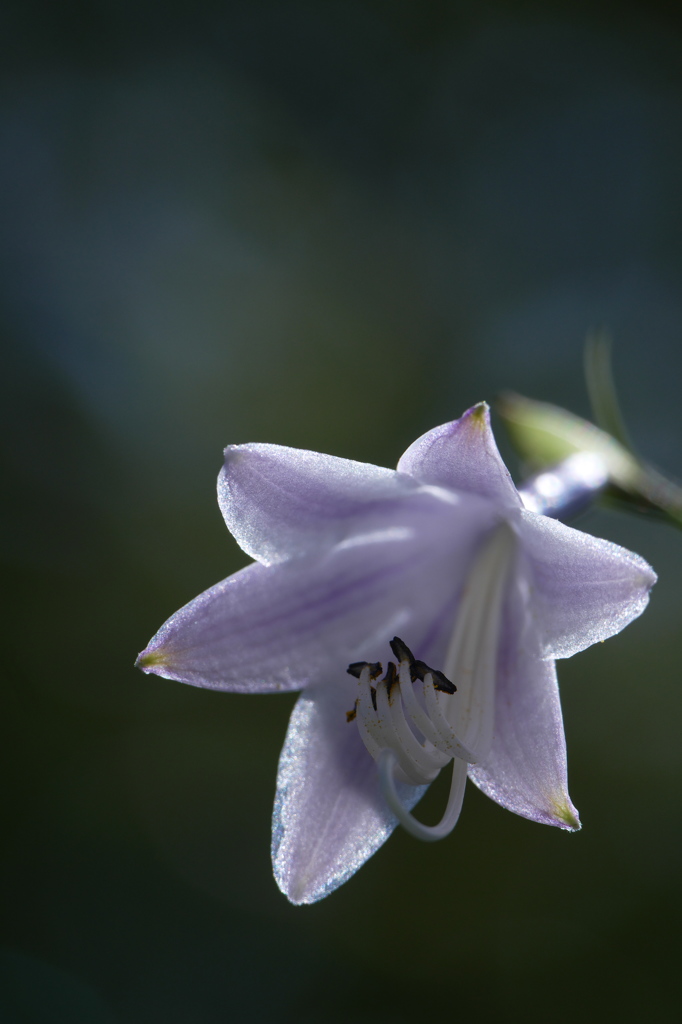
<point x="332" y="225"/>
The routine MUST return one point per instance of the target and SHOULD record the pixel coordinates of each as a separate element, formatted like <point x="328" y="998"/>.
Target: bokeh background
<point x="331" y="225"/>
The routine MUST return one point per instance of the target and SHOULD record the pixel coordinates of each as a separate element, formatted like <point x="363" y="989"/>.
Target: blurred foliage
<point x="329" y="225"/>
<point x="545" y="435"/>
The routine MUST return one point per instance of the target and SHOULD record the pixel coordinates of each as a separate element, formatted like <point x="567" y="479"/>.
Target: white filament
<point x="428" y="833"/>
<point x="412" y="739"/>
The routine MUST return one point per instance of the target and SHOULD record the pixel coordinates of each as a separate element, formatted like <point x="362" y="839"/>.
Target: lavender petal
<point x="281" y="502"/>
<point x="462" y="455"/>
<point x="285" y="626"/>
<point x="526" y="768"/>
<point x="586" y="589"/>
<point x="329" y="814"/>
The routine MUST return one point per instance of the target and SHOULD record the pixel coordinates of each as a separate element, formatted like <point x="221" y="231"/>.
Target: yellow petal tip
<point x="478" y="414"/>
<point x="565" y="813"/>
<point x="149" y="661"/>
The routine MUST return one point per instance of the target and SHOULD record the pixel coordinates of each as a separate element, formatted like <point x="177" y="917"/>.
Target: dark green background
<point x="331" y="225"/>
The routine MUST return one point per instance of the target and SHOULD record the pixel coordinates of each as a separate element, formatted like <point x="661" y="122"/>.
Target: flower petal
<point x="526" y="768"/>
<point x="462" y="455"/>
<point x="584" y="589"/>
<point x="282" y="502"/>
<point x="284" y="626"/>
<point x="329" y="814"/>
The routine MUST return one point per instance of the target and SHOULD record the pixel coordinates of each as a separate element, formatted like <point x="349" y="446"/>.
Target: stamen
<point x="412" y="735"/>
<point x="418" y="762"/>
<point x="417" y="713"/>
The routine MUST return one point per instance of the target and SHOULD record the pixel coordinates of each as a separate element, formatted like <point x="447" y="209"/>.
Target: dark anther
<point x="373" y="695"/>
<point x="441" y="682"/>
<point x="350" y="715"/>
<point x="391" y="677"/>
<point x="418" y="670"/>
<point x="401" y="651"/>
<point x="356" y="669"/>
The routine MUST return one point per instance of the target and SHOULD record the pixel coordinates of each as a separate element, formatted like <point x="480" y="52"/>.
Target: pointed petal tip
<point x="643" y="575"/>
<point x="649" y="576"/>
<point x="300" y="889"/>
<point x="233" y="456"/>
<point x="151" y="661"/>
<point x="478" y="414"/>
<point x="475" y="418"/>
<point x="298" y="897"/>
<point x="232" y="452"/>
<point x="566" y="816"/>
<point x="462" y="456"/>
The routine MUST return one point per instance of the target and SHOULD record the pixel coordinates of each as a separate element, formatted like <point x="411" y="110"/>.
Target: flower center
<point x="414" y="720"/>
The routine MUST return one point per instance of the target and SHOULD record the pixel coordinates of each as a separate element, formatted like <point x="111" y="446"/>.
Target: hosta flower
<point x="477" y="595"/>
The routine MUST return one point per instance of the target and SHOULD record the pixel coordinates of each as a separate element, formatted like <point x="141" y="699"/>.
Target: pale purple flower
<point x="441" y="553"/>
